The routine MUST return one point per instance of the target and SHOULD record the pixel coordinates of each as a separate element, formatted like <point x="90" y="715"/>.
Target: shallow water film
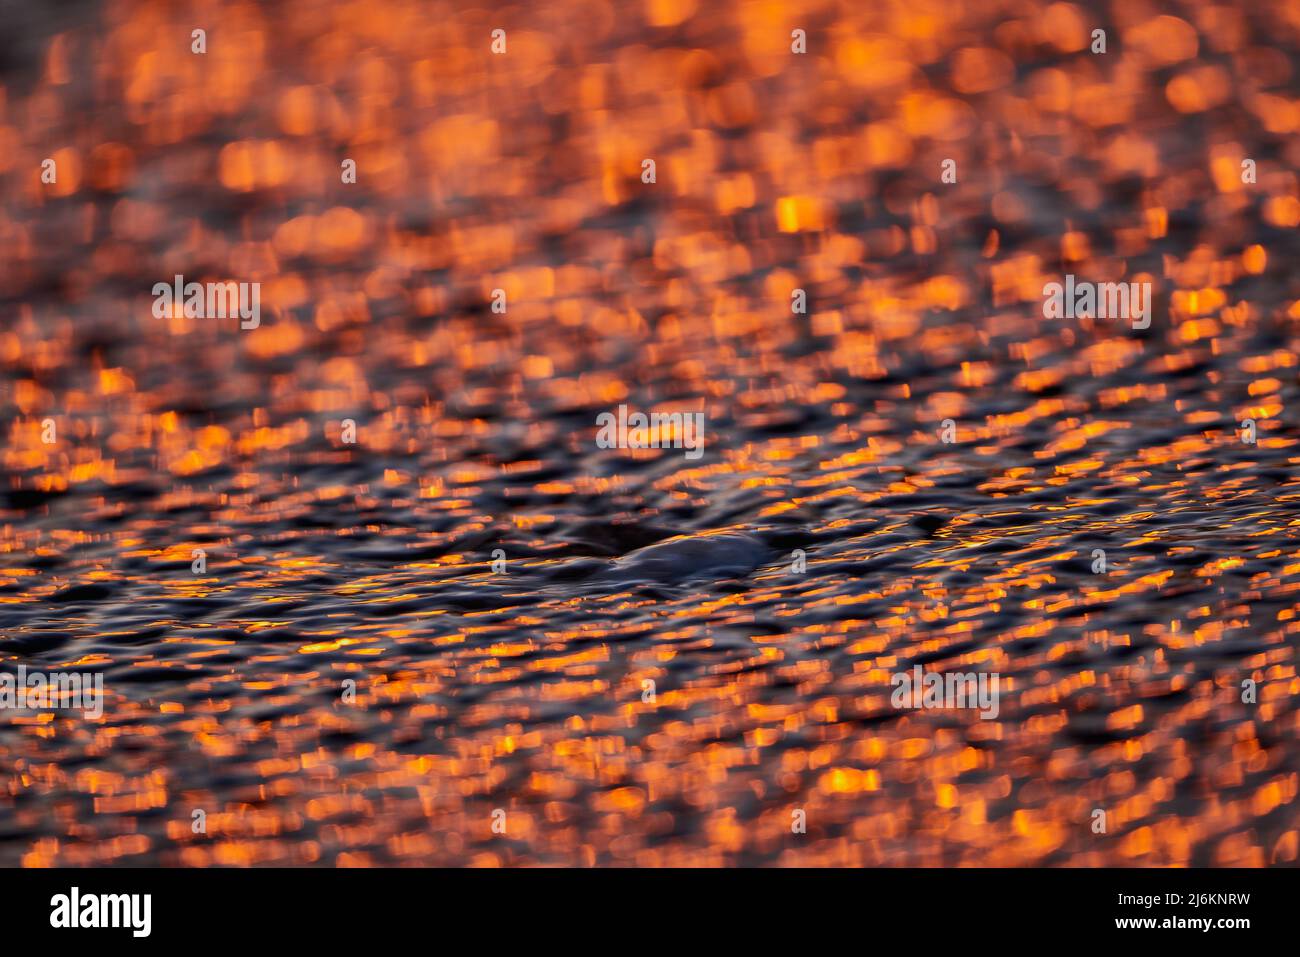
<point x="649" y="433"/>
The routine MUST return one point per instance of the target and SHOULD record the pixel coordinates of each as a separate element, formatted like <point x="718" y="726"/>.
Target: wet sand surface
<point x="332" y="565"/>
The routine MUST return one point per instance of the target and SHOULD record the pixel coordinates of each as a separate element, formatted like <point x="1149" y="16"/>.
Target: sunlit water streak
<point x="525" y="690"/>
